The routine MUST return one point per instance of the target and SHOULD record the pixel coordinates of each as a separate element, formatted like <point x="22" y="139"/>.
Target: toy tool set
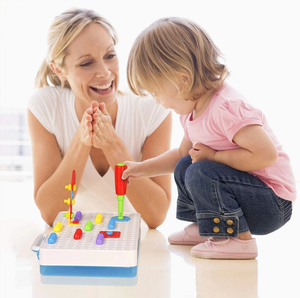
<point x="91" y="244"/>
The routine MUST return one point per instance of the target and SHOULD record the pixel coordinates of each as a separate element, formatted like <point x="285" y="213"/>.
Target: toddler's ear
<point x="185" y="78"/>
<point x="58" y="71"/>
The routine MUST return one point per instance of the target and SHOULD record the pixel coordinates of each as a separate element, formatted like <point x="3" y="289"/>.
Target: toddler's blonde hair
<point x="63" y="30"/>
<point x="173" y="46"/>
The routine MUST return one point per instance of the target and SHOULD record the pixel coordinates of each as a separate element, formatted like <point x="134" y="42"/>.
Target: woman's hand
<point x="202" y="152"/>
<point x="84" y="132"/>
<point x="103" y="131"/>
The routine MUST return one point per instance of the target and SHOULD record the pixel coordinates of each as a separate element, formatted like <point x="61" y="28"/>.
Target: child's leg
<point x="185" y="209"/>
<point x="231" y="203"/>
<point x="185" y="206"/>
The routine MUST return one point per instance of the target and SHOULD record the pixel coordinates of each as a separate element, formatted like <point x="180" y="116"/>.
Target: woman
<point x="83" y="123"/>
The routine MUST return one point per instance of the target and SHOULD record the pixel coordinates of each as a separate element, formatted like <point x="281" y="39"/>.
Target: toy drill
<point x="120" y="187"/>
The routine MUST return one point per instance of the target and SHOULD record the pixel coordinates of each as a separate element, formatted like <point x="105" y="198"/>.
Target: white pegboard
<point x="67" y="251"/>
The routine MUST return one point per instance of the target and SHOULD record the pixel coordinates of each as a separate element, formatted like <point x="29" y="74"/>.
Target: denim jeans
<point x="225" y="202"/>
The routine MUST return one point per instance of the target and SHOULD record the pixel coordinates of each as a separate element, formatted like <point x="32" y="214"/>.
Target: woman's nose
<point x="103" y="71"/>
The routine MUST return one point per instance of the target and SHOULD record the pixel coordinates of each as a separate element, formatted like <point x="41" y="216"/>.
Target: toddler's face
<point x="170" y="99"/>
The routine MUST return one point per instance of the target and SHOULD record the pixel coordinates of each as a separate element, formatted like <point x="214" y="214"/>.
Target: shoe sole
<point x="223" y="255"/>
<point x="184" y="242"/>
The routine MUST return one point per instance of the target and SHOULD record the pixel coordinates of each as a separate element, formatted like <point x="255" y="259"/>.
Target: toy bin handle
<point x="35" y="247"/>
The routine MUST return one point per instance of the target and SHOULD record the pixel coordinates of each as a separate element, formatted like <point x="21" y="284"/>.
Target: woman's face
<point x="92" y="67"/>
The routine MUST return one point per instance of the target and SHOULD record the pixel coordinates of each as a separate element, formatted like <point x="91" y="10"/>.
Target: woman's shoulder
<point x="130" y="98"/>
<point x="54" y="92"/>
<point x="144" y="104"/>
<point x="50" y="96"/>
<point x="140" y="111"/>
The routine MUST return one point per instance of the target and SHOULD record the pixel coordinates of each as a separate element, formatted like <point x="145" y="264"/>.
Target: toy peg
<point x="71" y="187"/>
<point x="68" y="201"/>
<point x="120" y="187"/>
<point x="68" y="187"/>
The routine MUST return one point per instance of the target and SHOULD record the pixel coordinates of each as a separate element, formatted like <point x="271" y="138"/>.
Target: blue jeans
<point x="225" y="202"/>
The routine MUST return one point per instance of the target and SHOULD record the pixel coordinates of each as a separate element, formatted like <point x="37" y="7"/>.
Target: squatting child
<point x="232" y="175"/>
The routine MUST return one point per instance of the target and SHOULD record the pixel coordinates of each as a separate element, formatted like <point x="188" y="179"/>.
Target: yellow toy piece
<point x="69" y="200"/>
<point x="69" y="187"/>
<point x="98" y="218"/>
<point x="58" y="227"/>
<point x="68" y="215"/>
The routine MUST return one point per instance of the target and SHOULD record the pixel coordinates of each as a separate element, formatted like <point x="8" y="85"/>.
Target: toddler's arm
<point x="257" y="150"/>
<point x="160" y="165"/>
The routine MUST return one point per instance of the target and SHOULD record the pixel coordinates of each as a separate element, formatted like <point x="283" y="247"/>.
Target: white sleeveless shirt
<point x="137" y="118"/>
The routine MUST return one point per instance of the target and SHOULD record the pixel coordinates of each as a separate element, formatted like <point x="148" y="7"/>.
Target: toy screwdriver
<point x="120" y="187"/>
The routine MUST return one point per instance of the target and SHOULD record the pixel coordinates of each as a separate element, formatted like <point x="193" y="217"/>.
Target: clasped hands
<point x="96" y="127"/>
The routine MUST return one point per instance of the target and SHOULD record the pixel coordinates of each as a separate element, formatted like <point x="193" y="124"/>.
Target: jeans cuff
<point x="216" y="225"/>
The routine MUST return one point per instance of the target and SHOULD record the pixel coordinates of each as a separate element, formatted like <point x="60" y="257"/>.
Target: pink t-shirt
<point x="226" y="114"/>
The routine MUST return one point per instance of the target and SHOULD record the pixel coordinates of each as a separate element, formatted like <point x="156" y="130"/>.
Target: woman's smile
<point x="104" y="88"/>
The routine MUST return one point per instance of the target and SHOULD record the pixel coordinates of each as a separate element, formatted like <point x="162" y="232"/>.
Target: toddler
<point x="232" y="175"/>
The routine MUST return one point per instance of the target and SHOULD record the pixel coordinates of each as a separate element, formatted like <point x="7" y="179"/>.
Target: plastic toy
<point x="93" y="244"/>
<point x="120" y="187"/>
<point x="71" y="201"/>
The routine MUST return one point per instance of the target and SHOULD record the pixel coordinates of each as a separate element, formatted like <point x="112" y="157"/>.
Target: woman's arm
<point x="155" y="167"/>
<point x="150" y="197"/>
<point x="51" y="172"/>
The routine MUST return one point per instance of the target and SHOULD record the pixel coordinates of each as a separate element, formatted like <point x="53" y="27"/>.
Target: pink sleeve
<point x="236" y="114"/>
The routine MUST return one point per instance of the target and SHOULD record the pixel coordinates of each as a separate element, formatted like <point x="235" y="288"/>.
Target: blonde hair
<point x="63" y="30"/>
<point x="172" y="46"/>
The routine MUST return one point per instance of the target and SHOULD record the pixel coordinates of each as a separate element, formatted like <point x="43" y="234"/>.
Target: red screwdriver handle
<point x="119" y="182"/>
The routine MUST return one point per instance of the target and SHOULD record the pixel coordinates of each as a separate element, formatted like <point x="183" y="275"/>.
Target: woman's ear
<point x="58" y="71"/>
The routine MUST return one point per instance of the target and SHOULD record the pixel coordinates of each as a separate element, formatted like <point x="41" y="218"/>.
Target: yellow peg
<point x="98" y="218"/>
<point x="68" y="187"/>
<point x="58" y="227"/>
<point x="68" y="215"/>
<point x="67" y="201"/>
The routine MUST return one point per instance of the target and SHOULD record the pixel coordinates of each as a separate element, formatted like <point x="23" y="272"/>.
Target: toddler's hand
<point x="133" y="171"/>
<point x="202" y="152"/>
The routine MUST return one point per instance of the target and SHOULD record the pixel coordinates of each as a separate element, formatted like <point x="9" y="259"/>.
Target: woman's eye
<point x="85" y="64"/>
<point x="110" y="56"/>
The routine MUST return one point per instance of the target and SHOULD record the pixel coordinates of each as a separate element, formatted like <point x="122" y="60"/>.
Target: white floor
<point x="164" y="270"/>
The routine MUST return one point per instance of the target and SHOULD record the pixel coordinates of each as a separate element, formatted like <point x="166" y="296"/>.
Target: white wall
<point x="260" y="41"/>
